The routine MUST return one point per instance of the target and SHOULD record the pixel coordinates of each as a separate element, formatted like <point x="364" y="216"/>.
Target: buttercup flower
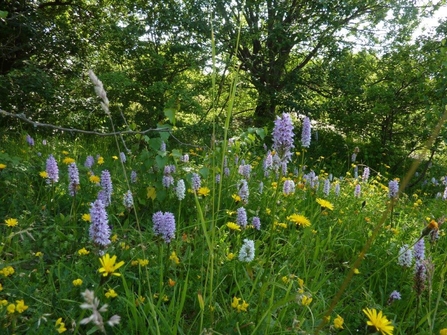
<point x="108" y="265"/>
<point x="378" y="321"/>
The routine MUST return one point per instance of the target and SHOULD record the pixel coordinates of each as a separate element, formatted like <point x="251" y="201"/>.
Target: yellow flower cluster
<point x="7" y="271"/>
<point x="19" y="307"/>
<point x="239" y="306"/>
<point x="77" y="282"/>
<point x="111" y="293"/>
<point x="83" y="252"/>
<point x="174" y="258"/>
<point x="60" y="326"/>
<point x="139" y="261"/>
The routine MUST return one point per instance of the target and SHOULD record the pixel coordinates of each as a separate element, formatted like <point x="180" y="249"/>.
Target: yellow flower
<point x="231" y="256"/>
<point x="20" y="306"/>
<point x="443" y="331"/>
<point x="83" y="252"/>
<point x="77" y="282"/>
<point x="60" y="326"/>
<point x="115" y="157"/>
<point x="108" y="265"/>
<point x="305" y="300"/>
<point x="9" y="270"/>
<point x="114" y="238"/>
<point x="140" y="300"/>
<point x="11" y="222"/>
<point x="280" y="224"/>
<point x="86" y="217"/>
<point x="236" y="198"/>
<point x="101" y="160"/>
<point x="11" y="308"/>
<point x="43" y="174"/>
<point x="378" y="321"/>
<point x="233" y="226"/>
<point x="325" y="204"/>
<point x="1" y="287"/>
<point x="338" y="322"/>
<point x="300" y="220"/>
<point x="143" y="262"/>
<point x="235" y="302"/>
<point x="243" y="306"/>
<point x="285" y="279"/>
<point x="2" y="166"/>
<point x="174" y="258"/>
<point x="111" y="293"/>
<point x="171" y="282"/>
<point x="68" y="160"/>
<point x="65" y="152"/>
<point x="356" y="271"/>
<point x="38" y="254"/>
<point x="205" y="191"/>
<point x="4" y="302"/>
<point x="94" y="179"/>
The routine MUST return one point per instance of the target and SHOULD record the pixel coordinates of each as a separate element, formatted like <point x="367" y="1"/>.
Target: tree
<point x="278" y="39"/>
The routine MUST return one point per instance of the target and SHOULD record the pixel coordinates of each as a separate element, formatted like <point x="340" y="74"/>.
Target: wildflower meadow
<point x="250" y="234"/>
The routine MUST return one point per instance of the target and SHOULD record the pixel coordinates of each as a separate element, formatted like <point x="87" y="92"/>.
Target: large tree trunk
<point x="265" y="107"/>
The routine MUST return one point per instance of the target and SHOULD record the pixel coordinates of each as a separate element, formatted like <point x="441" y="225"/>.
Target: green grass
<point x="292" y="263"/>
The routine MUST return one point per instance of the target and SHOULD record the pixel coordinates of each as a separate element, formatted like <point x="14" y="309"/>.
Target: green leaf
<point x="3" y="14"/>
<point x="170" y="114"/>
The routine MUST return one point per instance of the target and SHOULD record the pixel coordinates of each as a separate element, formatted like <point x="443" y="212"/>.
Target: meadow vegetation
<point x="248" y="235"/>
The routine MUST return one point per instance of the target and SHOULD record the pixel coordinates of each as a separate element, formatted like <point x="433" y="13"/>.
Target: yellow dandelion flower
<point x="94" y="179"/>
<point x="205" y="191"/>
<point x="60" y="326"/>
<point x="379" y="321"/>
<point x="325" y="204"/>
<point x="108" y="265"/>
<point x="86" y="217"/>
<point x="338" y="322"/>
<point x="111" y="293"/>
<point x="233" y="226"/>
<point x="43" y="174"/>
<point x="68" y="160"/>
<point x="77" y="282"/>
<point x="11" y="222"/>
<point x="300" y="220"/>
